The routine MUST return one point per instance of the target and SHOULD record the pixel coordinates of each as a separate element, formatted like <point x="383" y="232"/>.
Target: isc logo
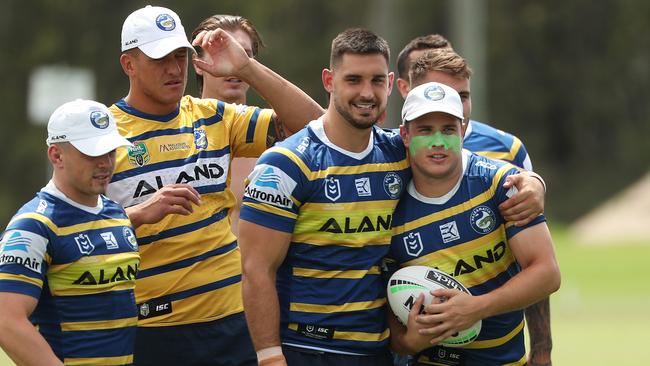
<point x="162" y="307"/>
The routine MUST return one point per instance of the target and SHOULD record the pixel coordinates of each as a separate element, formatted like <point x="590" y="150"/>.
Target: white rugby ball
<point x="406" y="284"/>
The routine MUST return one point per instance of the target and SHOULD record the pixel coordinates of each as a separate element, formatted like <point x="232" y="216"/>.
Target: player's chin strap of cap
<point x="271" y="356"/>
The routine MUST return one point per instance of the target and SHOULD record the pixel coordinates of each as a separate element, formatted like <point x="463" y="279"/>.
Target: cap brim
<point x="100" y="145"/>
<point x="163" y="47"/>
<point x="422" y="111"/>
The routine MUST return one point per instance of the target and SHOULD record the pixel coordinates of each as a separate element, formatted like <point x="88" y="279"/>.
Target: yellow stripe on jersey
<point x="522" y="361"/>
<point x="349" y="206"/>
<point x="328" y="309"/>
<point x="490" y="343"/>
<point x="339" y="170"/>
<point x="496" y="155"/>
<point x="516" y="145"/>
<point x="175" y="249"/>
<point x="362" y="336"/>
<point x="97" y="361"/>
<point x="21" y="278"/>
<point x="100" y="324"/>
<point x="189" y="277"/>
<point x="67" y="230"/>
<point x="353" y="224"/>
<point x="503" y="155"/>
<point x="488" y="247"/>
<point x="271" y="209"/>
<point x="353" y="336"/>
<point x="200" y="307"/>
<point x="455" y="210"/>
<point x="350" y="274"/>
<point x="93" y="225"/>
<point x="94" y="274"/>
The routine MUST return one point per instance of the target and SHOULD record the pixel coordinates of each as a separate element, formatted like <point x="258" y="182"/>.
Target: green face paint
<point x="449" y="142"/>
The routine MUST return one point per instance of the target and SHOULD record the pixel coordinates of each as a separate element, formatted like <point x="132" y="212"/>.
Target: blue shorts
<point x="305" y="357"/>
<point x="222" y="342"/>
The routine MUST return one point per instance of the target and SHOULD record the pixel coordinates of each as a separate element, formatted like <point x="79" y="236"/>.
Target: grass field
<point x="601" y="312"/>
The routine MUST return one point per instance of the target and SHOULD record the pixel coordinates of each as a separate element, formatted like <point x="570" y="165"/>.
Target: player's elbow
<point x="553" y="278"/>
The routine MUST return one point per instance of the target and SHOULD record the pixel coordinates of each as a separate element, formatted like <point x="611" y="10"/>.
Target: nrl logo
<point x="138" y="154"/>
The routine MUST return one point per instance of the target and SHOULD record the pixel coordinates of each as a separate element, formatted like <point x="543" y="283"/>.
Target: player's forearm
<point x="135" y="215"/>
<point x="262" y="309"/>
<point x="532" y="284"/>
<point x="293" y="106"/>
<point x="397" y="336"/>
<point x="538" y="320"/>
<point x="24" y="344"/>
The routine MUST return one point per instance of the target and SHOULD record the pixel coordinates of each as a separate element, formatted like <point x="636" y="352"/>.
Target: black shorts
<point x="222" y="342"/>
<point x="305" y="357"/>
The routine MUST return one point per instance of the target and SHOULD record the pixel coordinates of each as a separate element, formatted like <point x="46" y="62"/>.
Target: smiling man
<point x="449" y="219"/>
<point x="69" y="257"/>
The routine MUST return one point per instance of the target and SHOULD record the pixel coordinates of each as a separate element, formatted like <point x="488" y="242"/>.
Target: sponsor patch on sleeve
<point x="23" y="248"/>
<point x="271" y="185"/>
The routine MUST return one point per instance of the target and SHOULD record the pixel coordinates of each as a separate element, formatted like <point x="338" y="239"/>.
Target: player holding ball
<point x="449" y="219"/>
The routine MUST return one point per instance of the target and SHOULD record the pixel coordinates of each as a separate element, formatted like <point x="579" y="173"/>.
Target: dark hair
<point x="358" y="41"/>
<point x="430" y="41"/>
<point x="228" y="23"/>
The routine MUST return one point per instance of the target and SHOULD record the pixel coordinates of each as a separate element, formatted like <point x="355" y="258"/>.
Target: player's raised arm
<point x="293" y="107"/>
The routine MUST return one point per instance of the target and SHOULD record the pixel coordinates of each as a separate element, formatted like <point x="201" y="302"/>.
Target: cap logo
<point x="434" y="93"/>
<point x="165" y="22"/>
<point x="99" y="119"/>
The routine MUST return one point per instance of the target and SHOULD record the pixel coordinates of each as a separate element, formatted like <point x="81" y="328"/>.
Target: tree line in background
<point x="569" y="78"/>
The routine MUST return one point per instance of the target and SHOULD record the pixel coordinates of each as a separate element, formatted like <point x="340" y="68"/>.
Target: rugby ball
<point x="406" y="284"/>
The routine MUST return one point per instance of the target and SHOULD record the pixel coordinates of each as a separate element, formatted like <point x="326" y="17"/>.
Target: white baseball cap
<point x="157" y="31"/>
<point x="429" y="98"/>
<point x="88" y="125"/>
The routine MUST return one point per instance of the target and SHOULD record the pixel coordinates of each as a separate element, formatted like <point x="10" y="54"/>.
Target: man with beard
<point x="316" y="222"/>
<point x="317" y="212"/>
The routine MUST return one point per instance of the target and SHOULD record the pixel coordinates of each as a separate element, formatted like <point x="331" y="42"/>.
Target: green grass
<point x="602" y="310"/>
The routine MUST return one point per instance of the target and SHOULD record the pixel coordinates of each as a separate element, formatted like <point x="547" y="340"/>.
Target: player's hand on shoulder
<point x="528" y="201"/>
<point x="171" y="199"/>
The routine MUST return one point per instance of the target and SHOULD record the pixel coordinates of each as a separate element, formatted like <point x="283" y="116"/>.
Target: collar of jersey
<point x="123" y="105"/>
<point x="318" y="129"/>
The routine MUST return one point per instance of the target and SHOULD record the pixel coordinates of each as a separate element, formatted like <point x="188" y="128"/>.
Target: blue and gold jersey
<point x="80" y="263"/>
<point x="493" y="143"/>
<point x="190" y="270"/>
<point x="463" y="234"/>
<point x="338" y="205"/>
